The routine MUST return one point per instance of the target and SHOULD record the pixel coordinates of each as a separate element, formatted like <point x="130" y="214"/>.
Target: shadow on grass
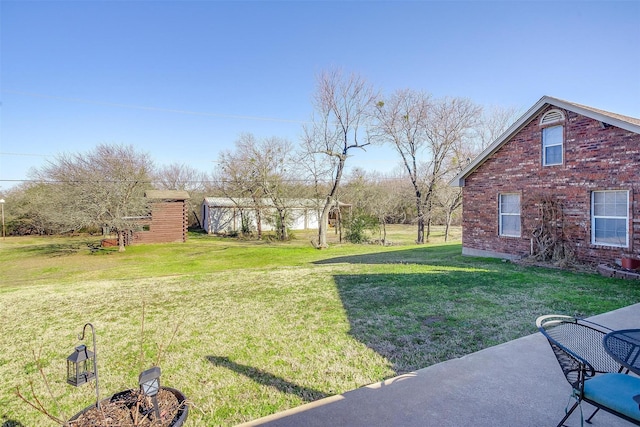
<point x="268" y="379"/>
<point x="62" y="249"/>
<point x="433" y="255"/>
<point x="417" y="320"/>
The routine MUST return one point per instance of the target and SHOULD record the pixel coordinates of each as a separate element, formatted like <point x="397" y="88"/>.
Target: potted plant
<point x="630" y="263"/>
<point x="135" y="408"/>
<point x="150" y="405"/>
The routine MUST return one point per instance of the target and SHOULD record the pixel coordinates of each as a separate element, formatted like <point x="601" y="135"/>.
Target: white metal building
<point x="224" y="215"/>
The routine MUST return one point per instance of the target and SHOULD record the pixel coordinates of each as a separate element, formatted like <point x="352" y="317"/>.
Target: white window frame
<point x="502" y="215"/>
<point x="615" y="215"/>
<point x="548" y="144"/>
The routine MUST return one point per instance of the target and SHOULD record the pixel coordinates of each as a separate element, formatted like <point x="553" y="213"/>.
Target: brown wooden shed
<point x="169" y="218"/>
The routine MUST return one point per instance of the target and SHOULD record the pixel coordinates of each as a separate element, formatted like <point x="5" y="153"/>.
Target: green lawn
<point x="262" y="326"/>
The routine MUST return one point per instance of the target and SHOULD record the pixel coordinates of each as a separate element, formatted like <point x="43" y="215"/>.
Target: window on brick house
<point x="552" y="146"/>
<point x="610" y="218"/>
<point x="510" y="215"/>
<point x="552" y="137"/>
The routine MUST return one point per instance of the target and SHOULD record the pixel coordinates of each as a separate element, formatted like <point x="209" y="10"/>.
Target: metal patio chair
<point x="595" y="376"/>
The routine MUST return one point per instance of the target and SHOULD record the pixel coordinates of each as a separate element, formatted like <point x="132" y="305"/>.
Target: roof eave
<point x="458" y="180"/>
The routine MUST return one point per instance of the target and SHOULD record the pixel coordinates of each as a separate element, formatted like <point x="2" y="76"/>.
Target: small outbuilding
<point x="225" y="215"/>
<point x="169" y="218"/>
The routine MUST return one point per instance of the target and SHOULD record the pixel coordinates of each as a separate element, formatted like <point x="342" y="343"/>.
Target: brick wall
<point x="595" y="158"/>
<point x="168" y="223"/>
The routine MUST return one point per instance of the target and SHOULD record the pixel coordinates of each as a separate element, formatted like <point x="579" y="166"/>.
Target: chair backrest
<point x="577" y="344"/>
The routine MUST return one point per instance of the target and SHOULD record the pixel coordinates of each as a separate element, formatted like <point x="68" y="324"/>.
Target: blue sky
<point x="182" y="79"/>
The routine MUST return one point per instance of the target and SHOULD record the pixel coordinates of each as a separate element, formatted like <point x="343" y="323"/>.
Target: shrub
<point x="357" y="226"/>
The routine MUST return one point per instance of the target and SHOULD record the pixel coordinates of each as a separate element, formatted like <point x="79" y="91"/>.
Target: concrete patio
<point x="518" y="383"/>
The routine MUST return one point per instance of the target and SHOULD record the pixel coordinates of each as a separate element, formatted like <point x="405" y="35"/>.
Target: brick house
<point x="564" y="177"/>
<point x="168" y="220"/>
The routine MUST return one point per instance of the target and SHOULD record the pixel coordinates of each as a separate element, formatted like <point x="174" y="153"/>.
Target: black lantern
<point x="149" y="381"/>
<point x="80" y="366"/>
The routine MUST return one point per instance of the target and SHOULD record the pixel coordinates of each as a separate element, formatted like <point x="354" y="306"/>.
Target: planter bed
<point x="617" y="271"/>
<point x="131" y="408"/>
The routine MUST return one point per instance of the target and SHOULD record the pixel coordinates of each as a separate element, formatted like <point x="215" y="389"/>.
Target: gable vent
<point x="551" y="116"/>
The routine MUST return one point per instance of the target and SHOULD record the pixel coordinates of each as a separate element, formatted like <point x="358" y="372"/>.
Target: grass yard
<point x="261" y="327"/>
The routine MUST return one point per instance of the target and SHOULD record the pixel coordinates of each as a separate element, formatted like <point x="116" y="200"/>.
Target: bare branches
<point x="38" y="406"/>
<point x="104" y="187"/>
<point x="161" y="346"/>
<point x="495" y="121"/>
<point x="415" y="125"/>
<point x="549" y="229"/>
<point x="342" y="107"/>
<point x="179" y="176"/>
<point x="37" y="403"/>
<point x="258" y="169"/>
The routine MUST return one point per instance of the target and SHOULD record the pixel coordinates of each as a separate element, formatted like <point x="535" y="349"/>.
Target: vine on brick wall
<point x="549" y="237"/>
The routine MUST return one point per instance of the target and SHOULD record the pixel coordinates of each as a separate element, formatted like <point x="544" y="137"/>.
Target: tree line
<point x="433" y="138"/>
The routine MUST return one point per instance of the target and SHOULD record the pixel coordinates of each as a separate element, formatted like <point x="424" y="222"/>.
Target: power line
<point x="158" y="109"/>
<point x="192" y="182"/>
<point x="114" y="181"/>
<point x="26" y="154"/>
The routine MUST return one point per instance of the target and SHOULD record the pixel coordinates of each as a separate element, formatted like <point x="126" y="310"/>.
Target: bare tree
<point x="342" y="104"/>
<point x="179" y="176"/>
<point x="492" y="123"/>
<point x="102" y="188"/>
<point x="237" y="182"/>
<point x="389" y="198"/>
<point x="271" y="164"/>
<point x="375" y="196"/>
<point x="450" y="127"/>
<point x="263" y="169"/>
<point x="401" y="121"/>
<point x="495" y="120"/>
<point x="415" y="124"/>
<point x="316" y="171"/>
<point x="449" y="199"/>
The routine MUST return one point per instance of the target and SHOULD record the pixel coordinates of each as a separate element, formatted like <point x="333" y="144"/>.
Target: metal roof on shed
<point x="167" y="194"/>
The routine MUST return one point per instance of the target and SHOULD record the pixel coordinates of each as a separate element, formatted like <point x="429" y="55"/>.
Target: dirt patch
<point x="559" y="265"/>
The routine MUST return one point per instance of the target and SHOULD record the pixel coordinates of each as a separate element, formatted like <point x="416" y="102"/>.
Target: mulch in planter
<point x="132" y="408"/>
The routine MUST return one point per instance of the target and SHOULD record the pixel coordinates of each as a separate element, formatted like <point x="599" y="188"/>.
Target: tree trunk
<point x="324" y="224"/>
<point x="282" y="226"/>
<point x="384" y="233"/>
<point x="446" y="226"/>
<point x="259" y="223"/>
<point x="429" y="214"/>
<point x="339" y="223"/>
<point x="324" y="220"/>
<point x="420" y="239"/>
<point x="121" y="247"/>
<point x="420" y="211"/>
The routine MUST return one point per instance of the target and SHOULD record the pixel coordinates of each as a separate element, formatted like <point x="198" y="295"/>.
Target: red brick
<point x="595" y="158"/>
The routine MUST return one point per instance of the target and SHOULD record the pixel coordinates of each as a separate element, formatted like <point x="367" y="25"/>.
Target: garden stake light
<point x="82" y="364"/>
<point x="149" y="381"/>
